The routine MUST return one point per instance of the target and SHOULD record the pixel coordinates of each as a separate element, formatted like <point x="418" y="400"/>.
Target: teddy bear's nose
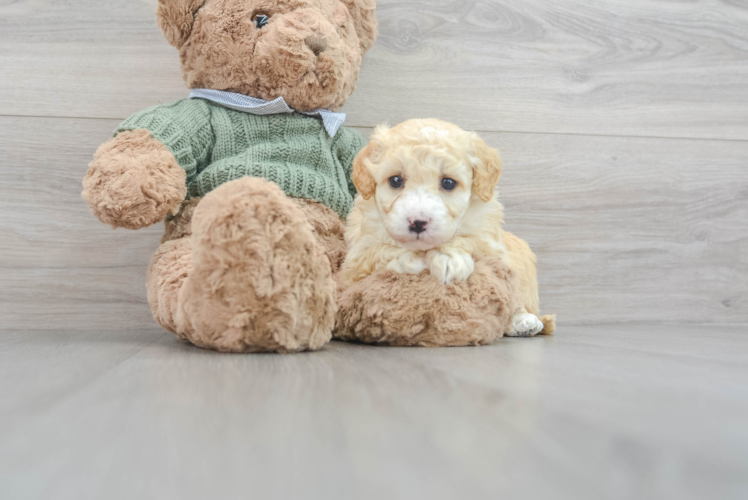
<point x="316" y="44"/>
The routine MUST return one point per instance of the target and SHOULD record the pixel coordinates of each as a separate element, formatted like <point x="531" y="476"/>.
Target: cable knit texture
<point x="215" y="145"/>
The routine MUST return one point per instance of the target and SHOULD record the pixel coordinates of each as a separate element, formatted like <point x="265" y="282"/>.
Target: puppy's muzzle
<point x="417" y="226"/>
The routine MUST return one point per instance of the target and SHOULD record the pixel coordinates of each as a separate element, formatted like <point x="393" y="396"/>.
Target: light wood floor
<point x="623" y="125"/>
<point x="596" y="412"/>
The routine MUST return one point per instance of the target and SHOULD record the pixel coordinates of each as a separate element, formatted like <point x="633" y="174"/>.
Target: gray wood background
<point x="624" y="129"/>
<point x="623" y="125"/>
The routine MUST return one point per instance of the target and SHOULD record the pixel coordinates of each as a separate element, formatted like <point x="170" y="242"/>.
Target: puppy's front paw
<point x="525" y="325"/>
<point x="408" y="263"/>
<point x="451" y="267"/>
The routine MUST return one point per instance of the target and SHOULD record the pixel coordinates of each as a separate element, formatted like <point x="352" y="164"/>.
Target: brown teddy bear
<point x="245" y="264"/>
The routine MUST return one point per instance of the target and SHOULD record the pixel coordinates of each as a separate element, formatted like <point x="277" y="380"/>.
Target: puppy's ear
<point x="362" y="178"/>
<point x="176" y="17"/>
<point x="364" y="14"/>
<point x="486" y="169"/>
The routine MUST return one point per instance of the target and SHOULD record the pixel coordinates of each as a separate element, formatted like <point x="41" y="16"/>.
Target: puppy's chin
<point x="416" y="242"/>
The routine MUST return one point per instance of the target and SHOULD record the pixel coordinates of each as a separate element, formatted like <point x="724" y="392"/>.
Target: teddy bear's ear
<point x="365" y="19"/>
<point x="175" y="17"/>
<point x="486" y="168"/>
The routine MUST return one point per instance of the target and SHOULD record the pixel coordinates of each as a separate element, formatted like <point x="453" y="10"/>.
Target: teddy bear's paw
<point x="134" y="181"/>
<point x="450" y="267"/>
<point x="260" y="279"/>
<point x="525" y="325"/>
<point x="408" y="263"/>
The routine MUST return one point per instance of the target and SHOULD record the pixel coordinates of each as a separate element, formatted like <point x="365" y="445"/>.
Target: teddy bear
<point x="251" y="175"/>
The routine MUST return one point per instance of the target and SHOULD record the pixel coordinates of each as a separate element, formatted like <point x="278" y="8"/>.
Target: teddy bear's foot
<point x="389" y="308"/>
<point x="256" y="280"/>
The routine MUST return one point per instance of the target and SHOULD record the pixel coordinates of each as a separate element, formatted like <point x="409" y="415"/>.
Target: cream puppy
<point x="427" y="202"/>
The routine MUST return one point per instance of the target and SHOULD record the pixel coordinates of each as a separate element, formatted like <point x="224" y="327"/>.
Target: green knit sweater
<point x="214" y="145"/>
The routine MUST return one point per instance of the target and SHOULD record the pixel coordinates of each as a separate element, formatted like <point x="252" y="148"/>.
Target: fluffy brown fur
<point x="134" y="181"/>
<point x="417" y="310"/>
<point x="309" y="53"/>
<point x="246" y="268"/>
<point x="180" y="225"/>
<point x="251" y="277"/>
<point x="328" y="228"/>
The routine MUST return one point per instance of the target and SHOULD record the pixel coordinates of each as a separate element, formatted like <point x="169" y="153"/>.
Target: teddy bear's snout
<point x="316" y="43"/>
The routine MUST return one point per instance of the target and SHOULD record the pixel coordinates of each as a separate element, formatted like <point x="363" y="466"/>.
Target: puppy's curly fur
<point x="429" y="263"/>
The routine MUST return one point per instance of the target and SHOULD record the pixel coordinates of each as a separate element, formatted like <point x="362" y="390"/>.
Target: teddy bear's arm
<point x="141" y="175"/>
<point x="134" y="181"/>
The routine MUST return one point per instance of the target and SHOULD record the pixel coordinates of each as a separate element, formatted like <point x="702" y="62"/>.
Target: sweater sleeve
<point x="348" y="143"/>
<point x="184" y="127"/>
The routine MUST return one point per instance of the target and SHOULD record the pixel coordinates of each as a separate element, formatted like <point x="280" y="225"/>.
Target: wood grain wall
<point x="623" y="125"/>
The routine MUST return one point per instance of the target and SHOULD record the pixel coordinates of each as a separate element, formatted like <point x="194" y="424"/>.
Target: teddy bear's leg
<point x="328" y="228"/>
<point x="256" y="279"/>
<point x="170" y="266"/>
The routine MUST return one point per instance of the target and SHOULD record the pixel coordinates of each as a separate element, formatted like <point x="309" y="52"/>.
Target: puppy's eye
<point x="260" y="19"/>
<point x="396" y="182"/>
<point x="449" y="184"/>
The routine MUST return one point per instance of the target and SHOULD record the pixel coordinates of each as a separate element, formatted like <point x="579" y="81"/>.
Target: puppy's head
<point x="424" y="176"/>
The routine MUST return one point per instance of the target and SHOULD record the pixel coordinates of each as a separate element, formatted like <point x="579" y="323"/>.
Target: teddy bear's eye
<point x="260" y="20"/>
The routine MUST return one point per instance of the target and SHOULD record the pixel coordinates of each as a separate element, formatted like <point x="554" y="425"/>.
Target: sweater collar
<point x="240" y="102"/>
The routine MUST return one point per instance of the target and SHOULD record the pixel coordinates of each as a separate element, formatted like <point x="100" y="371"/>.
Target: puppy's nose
<point x="418" y="226"/>
<point x="316" y="44"/>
